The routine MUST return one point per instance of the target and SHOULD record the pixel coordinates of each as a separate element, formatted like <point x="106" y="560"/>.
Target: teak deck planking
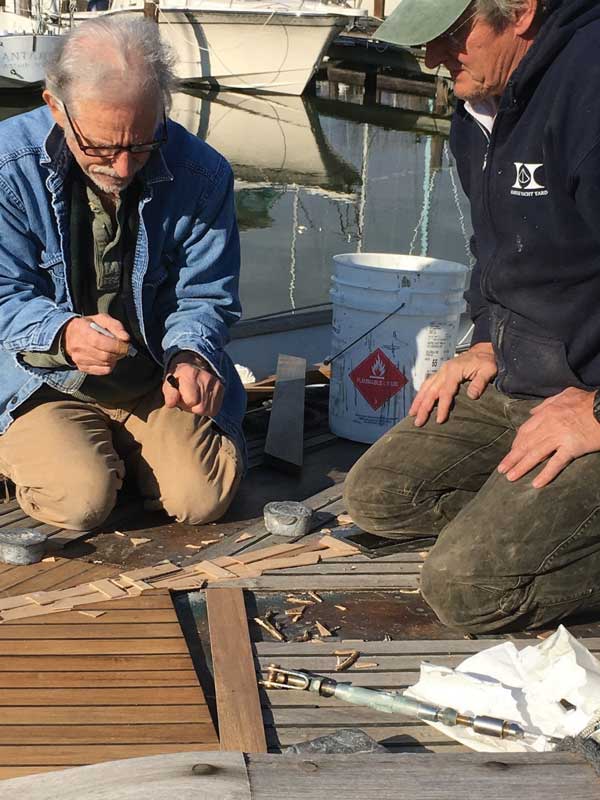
<point x="238" y="705"/>
<point x="78" y="690"/>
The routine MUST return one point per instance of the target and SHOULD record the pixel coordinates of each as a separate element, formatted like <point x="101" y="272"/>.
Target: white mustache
<point x="100" y="170"/>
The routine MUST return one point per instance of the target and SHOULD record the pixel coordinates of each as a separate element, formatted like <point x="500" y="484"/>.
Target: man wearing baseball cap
<point x="500" y="454"/>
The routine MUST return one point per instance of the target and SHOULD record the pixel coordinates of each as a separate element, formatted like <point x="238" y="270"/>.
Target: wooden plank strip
<point x="323" y="664"/>
<point x="166" y="733"/>
<point x="146" y="573"/>
<point x="340" y="568"/>
<point x="152" y="778"/>
<point x="423" y="647"/>
<point x="91" y="647"/>
<point x="212" y="570"/>
<point x="284" y="445"/>
<point x="107" y="588"/>
<point x="178" y="696"/>
<point x="335" y="583"/>
<point x="270" y="552"/>
<point x="106" y="715"/>
<point x="136" y="679"/>
<point x="63" y="571"/>
<point x="11" y="579"/>
<point x="238" y="705"/>
<point x="78" y="663"/>
<point x="165" y="630"/>
<point x="70" y="755"/>
<point x="114" y="615"/>
<point x="92" y="572"/>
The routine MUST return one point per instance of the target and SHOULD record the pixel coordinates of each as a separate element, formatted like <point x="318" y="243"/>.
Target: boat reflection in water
<point x="281" y="160"/>
<point x="275" y="141"/>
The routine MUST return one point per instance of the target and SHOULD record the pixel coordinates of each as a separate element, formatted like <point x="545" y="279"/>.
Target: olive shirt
<point x="102" y="253"/>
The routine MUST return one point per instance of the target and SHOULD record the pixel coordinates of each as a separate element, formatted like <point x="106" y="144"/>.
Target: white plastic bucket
<point x="375" y="381"/>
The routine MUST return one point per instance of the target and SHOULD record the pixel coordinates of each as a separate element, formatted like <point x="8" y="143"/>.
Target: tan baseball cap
<point x="419" y="21"/>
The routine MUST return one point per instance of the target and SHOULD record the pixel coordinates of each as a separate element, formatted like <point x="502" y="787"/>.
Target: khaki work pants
<point x="68" y="459"/>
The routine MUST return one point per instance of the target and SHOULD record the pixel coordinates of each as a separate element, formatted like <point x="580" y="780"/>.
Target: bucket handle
<point x="329" y="361"/>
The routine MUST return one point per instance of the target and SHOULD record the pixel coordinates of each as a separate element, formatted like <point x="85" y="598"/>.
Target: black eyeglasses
<point x="111" y="150"/>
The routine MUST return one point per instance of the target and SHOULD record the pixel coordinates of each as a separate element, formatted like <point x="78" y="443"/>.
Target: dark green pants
<point x="507" y="556"/>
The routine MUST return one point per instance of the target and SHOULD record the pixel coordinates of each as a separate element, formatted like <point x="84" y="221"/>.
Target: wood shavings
<point x="299" y="600"/>
<point x="119" y="533"/>
<point x="408" y="591"/>
<point x="271" y="629"/>
<point x="325" y="530"/>
<point x="206" y="542"/>
<point x="295" y="613"/>
<point x="315" y="597"/>
<point x="351" y="657"/>
<point x="194" y="546"/>
<point x="92" y="613"/>
<point x="345" y="519"/>
<point x="341" y="608"/>
<point x="366" y="665"/>
<point x="51" y="559"/>
<point x="136" y="542"/>
<point x="424" y="554"/>
<point x="244" y="537"/>
<point x="323" y="631"/>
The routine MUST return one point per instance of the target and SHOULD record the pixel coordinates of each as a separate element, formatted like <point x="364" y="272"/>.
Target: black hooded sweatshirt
<point x="534" y="189"/>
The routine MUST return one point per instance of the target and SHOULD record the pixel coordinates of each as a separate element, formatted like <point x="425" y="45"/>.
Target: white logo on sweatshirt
<point x="526" y="184"/>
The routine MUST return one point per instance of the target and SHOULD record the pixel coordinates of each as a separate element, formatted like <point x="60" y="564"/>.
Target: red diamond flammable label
<point x="377" y="379"/>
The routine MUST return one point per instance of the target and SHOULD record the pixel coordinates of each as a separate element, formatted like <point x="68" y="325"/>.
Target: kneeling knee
<point x="460" y="601"/>
<point x="199" y="505"/>
<point x="81" y="506"/>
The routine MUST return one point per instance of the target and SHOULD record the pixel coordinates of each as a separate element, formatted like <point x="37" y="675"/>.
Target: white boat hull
<point x="23" y="59"/>
<point x="244" y="50"/>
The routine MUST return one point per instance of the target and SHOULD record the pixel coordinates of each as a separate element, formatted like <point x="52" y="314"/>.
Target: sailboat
<point x="241" y="45"/>
<point x="24" y="49"/>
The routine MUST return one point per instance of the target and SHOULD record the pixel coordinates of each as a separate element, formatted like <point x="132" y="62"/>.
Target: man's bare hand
<point x="90" y="351"/>
<point x="192" y="388"/>
<point x="562" y="428"/>
<point x="477" y="365"/>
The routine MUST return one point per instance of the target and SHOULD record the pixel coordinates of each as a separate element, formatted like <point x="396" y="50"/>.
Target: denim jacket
<point x="185" y="272"/>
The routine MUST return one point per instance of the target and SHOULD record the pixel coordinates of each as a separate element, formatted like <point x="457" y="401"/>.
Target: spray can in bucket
<point x="395" y="321"/>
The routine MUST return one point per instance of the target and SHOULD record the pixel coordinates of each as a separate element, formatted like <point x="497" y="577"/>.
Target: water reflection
<point x="316" y="177"/>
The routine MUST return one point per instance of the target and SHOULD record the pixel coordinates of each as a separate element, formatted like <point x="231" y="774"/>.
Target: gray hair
<point x="500" y="13"/>
<point x="112" y="53"/>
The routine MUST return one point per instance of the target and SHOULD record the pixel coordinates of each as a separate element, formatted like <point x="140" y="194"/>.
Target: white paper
<point x="523" y="686"/>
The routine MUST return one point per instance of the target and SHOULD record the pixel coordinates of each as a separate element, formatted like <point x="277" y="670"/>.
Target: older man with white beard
<point x="119" y="264"/>
<point x="500" y="455"/>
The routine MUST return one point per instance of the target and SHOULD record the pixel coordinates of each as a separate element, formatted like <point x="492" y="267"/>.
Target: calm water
<point x="316" y="177"/>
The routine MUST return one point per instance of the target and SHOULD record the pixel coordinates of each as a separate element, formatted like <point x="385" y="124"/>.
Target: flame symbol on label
<point x="378" y="368"/>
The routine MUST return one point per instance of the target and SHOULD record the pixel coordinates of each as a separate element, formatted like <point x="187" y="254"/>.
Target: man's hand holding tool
<point x="191" y="385"/>
<point x="94" y="344"/>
